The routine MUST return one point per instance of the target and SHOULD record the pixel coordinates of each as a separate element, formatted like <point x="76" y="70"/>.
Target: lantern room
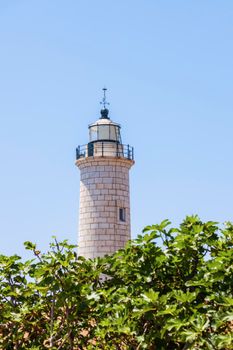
<point x="104" y="129"/>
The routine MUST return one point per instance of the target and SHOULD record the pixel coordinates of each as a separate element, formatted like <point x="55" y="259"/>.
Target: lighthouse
<point x="104" y="211"/>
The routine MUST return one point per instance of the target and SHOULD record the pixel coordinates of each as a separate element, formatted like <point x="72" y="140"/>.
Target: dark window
<point x="122" y="215"/>
<point x="90" y="149"/>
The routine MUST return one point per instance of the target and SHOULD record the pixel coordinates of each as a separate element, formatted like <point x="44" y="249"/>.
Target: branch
<point x="52" y="321"/>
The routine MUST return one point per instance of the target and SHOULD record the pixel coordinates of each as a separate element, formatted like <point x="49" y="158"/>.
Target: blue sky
<point x="168" y="68"/>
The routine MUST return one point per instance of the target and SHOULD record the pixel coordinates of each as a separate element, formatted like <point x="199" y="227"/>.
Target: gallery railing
<point x="105" y="149"/>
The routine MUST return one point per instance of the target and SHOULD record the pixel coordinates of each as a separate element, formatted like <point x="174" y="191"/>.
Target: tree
<point x="171" y="288"/>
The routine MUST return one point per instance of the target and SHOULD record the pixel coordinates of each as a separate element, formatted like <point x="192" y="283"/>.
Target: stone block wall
<point x="104" y="189"/>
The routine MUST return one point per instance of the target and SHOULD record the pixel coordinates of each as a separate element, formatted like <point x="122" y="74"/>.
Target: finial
<point x="104" y="102"/>
<point x="104" y="111"/>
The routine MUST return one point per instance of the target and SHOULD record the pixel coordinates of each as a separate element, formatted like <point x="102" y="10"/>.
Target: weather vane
<point x="104" y="102"/>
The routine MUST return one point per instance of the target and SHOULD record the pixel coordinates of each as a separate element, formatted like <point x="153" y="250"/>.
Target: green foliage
<point x="176" y="295"/>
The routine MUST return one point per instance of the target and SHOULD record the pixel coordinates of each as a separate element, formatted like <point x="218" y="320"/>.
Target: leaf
<point x="151" y="296"/>
<point x="228" y="317"/>
<point x="29" y="245"/>
<point x="93" y="296"/>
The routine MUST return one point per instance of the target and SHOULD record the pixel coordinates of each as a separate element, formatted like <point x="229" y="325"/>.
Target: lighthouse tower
<point x="104" y="163"/>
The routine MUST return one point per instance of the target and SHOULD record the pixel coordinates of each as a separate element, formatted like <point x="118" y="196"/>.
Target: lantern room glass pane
<point x="93" y="133"/>
<point x="118" y="134"/>
<point x="103" y="132"/>
<point x="113" y="132"/>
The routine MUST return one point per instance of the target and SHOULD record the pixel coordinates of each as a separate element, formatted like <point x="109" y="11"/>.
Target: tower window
<point x="122" y="214"/>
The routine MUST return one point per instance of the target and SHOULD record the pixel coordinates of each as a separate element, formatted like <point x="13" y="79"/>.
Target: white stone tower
<point x="104" y="163"/>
